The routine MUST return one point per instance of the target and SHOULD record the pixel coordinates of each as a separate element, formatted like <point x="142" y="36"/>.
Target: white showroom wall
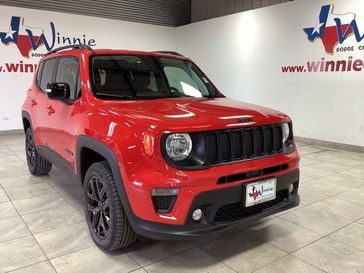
<point x="244" y="53"/>
<point x="99" y="32"/>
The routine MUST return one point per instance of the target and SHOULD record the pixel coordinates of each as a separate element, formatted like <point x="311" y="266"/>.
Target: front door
<point x="64" y="117"/>
<point x="39" y="101"/>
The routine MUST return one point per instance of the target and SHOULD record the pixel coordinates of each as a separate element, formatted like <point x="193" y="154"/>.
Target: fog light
<point x="290" y="189"/>
<point x="197" y="215"/>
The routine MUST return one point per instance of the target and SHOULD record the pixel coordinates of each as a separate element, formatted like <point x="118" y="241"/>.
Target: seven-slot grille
<point x="242" y="144"/>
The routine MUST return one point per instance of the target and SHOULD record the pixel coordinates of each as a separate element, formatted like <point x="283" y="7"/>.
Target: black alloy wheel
<point x="98" y="207"/>
<point x="105" y="216"/>
<point x="30" y="150"/>
<point x="37" y="165"/>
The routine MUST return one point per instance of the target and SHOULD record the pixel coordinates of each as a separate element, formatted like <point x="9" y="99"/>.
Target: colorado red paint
<point x="121" y="125"/>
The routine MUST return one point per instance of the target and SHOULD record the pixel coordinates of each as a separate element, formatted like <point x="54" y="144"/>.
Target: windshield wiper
<point x="124" y="97"/>
<point x="173" y="93"/>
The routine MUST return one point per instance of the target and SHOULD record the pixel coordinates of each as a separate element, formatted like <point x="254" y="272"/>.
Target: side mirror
<point x="58" y="91"/>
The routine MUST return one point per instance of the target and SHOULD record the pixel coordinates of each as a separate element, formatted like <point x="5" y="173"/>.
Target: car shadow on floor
<point x="67" y="187"/>
<point x="225" y="245"/>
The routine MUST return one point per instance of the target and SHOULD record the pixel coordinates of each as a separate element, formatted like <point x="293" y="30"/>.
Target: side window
<point x="47" y="73"/>
<point x="69" y="72"/>
<point x="39" y="74"/>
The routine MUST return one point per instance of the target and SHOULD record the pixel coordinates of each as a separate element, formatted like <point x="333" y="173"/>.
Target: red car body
<point x="132" y="130"/>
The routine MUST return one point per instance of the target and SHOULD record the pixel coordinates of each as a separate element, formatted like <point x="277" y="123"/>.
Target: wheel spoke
<point x="100" y="225"/>
<point x="104" y="229"/>
<point x="98" y="207"/>
<point x="107" y="221"/>
<point x="92" y="196"/>
<point x="30" y="150"/>
<point x="94" y="191"/>
<point x="102" y="192"/>
<point x="94" y="221"/>
<point x="106" y="205"/>
<point x="90" y="208"/>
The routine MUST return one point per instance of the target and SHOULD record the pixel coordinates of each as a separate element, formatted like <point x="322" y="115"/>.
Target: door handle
<point x="33" y="102"/>
<point x="50" y="110"/>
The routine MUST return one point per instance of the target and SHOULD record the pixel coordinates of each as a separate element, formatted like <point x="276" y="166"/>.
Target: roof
<point x="70" y="49"/>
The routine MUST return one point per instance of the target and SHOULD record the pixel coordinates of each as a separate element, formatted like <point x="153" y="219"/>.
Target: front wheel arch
<point x="109" y="156"/>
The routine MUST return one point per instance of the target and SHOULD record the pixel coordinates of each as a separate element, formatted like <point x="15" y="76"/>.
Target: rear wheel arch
<point x="27" y="121"/>
<point x="26" y="124"/>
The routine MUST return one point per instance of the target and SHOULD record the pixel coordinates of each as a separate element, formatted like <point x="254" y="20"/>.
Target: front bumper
<point x="139" y="183"/>
<point x="223" y="209"/>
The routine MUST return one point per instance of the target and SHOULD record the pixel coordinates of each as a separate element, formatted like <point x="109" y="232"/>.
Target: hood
<point x="195" y="114"/>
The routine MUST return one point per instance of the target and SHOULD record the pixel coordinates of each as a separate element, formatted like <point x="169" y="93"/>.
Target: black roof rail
<point x="169" y="52"/>
<point x="78" y="46"/>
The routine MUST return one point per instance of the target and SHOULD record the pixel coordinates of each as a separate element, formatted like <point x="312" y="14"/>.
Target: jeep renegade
<point x="160" y="152"/>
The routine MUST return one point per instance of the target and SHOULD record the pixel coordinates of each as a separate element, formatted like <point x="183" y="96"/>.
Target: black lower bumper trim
<point x="211" y="202"/>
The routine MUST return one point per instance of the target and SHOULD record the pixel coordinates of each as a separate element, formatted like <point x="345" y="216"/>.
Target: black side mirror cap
<point x="58" y="91"/>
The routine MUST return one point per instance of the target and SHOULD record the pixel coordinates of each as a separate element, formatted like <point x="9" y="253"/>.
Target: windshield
<point x="147" y="77"/>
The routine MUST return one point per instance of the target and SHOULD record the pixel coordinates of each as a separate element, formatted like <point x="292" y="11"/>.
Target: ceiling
<point x="207" y="9"/>
<point x="156" y="12"/>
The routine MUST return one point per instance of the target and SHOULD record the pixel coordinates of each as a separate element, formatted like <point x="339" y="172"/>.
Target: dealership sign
<point x="334" y="31"/>
<point x="28" y="39"/>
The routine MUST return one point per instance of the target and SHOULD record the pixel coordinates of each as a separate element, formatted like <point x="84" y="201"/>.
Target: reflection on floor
<point x="42" y="228"/>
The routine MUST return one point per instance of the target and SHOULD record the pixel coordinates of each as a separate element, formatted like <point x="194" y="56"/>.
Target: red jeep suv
<point x="160" y="152"/>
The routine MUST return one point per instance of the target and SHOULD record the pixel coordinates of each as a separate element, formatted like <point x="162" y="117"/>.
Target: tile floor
<point x="42" y="228"/>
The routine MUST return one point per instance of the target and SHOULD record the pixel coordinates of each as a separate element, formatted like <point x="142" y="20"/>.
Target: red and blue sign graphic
<point x="256" y="192"/>
<point x="334" y="29"/>
<point x="25" y="38"/>
<point x="31" y="38"/>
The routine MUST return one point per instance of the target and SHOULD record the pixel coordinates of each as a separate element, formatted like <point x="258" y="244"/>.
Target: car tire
<point x="36" y="163"/>
<point x="105" y="215"/>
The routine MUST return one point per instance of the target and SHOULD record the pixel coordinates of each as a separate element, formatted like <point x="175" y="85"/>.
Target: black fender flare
<point x="106" y="152"/>
<point x="26" y="115"/>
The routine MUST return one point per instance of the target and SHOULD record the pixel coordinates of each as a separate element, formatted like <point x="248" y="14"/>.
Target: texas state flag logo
<point x="24" y="37"/>
<point x="333" y="29"/>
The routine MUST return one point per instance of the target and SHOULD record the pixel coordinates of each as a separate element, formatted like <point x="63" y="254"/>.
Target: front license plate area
<point x="260" y="192"/>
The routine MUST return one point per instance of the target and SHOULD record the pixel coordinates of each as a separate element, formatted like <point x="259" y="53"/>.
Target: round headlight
<point x="285" y="132"/>
<point x="178" y="146"/>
